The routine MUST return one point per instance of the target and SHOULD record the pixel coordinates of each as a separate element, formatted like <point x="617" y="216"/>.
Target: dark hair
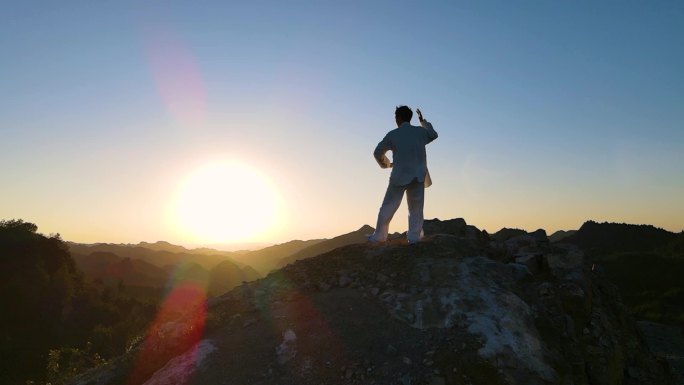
<point x="403" y="114"/>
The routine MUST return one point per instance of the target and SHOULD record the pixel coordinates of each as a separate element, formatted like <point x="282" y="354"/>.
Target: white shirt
<point x="407" y="144"/>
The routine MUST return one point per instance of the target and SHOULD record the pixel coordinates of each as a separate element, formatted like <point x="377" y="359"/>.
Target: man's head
<point x="403" y="114"/>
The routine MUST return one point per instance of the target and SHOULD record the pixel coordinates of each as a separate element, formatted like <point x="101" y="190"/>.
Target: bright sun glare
<point x="225" y="202"/>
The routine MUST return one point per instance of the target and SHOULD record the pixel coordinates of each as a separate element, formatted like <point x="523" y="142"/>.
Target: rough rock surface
<point x="456" y="308"/>
<point x="666" y="341"/>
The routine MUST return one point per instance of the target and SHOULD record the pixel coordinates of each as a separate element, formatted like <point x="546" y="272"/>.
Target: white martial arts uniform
<point x="409" y="174"/>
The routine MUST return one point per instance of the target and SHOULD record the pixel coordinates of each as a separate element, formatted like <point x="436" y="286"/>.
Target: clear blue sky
<point x="549" y="113"/>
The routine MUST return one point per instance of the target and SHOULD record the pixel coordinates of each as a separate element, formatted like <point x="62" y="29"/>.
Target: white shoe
<point x="372" y="240"/>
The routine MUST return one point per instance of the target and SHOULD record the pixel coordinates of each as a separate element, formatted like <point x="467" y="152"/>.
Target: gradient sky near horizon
<point x="550" y="113"/>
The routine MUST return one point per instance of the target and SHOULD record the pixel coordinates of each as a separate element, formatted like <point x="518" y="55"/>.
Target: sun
<point x="224" y="202"/>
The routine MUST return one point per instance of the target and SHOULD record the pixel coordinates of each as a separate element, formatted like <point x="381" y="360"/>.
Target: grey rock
<point x="344" y="281"/>
<point x="531" y="260"/>
<point x="323" y="286"/>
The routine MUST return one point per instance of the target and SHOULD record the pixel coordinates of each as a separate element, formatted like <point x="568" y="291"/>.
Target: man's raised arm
<point x="431" y="133"/>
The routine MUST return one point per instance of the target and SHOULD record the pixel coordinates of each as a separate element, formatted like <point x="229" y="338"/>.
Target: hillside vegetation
<point x="645" y="262"/>
<point x="54" y="322"/>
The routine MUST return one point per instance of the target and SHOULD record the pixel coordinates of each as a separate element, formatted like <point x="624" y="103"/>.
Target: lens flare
<point x="176" y="75"/>
<point x="178" y="327"/>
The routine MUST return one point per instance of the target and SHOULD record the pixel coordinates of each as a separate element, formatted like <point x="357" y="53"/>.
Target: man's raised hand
<point x="420" y="114"/>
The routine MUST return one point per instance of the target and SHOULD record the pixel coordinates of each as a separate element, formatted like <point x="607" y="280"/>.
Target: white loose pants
<point x="415" y="198"/>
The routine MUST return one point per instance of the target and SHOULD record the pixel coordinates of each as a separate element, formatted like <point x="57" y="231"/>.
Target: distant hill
<point x="506" y="234"/>
<point x="189" y="272"/>
<point x="358" y="236"/>
<point x="166" y="246"/>
<point x="155" y="265"/>
<point x="561" y="235"/>
<point x="163" y="246"/>
<point x="94" y="263"/>
<point x="112" y="269"/>
<point x="609" y="238"/>
<point x="267" y="259"/>
<point x="226" y="275"/>
<point x="160" y="253"/>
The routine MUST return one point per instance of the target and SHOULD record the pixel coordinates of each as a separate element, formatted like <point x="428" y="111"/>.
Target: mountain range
<point x="460" y="307"/>
<point x="388" y="304"/>
<point x="152" y="264"/>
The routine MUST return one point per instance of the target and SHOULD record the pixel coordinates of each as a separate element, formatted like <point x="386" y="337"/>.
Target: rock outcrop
<point x="456" y="308"/>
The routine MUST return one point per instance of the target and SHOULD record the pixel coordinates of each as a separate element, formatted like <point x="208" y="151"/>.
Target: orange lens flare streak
<point x="179" y="326"/>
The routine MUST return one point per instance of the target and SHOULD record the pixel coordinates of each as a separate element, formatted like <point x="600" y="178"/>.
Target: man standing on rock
<point x="409" y="172"/>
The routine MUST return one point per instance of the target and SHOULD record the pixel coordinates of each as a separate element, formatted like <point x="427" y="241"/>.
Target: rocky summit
<point x="459" y="307"/>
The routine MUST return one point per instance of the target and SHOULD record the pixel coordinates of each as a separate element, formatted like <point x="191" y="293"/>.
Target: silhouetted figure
<point x="409" y="172"/>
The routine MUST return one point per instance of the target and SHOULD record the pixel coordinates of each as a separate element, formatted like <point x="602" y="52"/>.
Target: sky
<point x="118" y="118"/>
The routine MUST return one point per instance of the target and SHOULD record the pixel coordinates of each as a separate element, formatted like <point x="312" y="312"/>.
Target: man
<point x="409" y="172"/>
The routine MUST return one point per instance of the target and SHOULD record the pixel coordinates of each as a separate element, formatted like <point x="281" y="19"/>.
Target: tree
<point x="38" y="278"/>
